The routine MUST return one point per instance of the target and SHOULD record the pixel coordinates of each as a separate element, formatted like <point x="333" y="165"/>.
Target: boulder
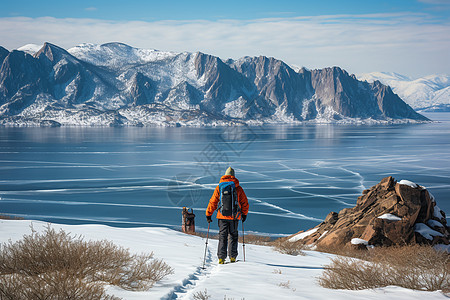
<point x="389" y="213"/>
<point x="331" y="218"/>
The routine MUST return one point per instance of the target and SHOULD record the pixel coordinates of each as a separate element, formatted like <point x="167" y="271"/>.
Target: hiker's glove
<point x="208" y="218"/>
<point x="244" y="217"/>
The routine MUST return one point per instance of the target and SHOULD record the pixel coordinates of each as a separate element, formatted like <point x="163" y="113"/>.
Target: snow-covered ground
<point x="265" y="274"/>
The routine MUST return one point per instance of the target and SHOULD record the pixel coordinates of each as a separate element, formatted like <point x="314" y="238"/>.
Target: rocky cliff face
<point x="22" y="77"/>
<point x="277" y="89"/>
<point x="389" y="213"/>
<point x="3" y="54"/>
<point x="89" y="84"/>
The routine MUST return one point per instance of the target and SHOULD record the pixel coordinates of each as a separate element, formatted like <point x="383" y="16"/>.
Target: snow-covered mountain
<point x="429" y="93"/>
<point x="114" y="84"/>
<point x="30" y="48"/>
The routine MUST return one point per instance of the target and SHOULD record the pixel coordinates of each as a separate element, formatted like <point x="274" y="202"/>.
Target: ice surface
<point x="293" y="176"/>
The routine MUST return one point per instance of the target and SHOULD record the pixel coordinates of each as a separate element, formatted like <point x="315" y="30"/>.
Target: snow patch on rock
<point x="357" y="241"/>
<point x="323" y="234"/>
<point x="390" y="217"/>
<point x="426" y="231"/>
<point x="409" y="183"/>
<point x="117" y="55"/>
<point x="236" y="108"/>
<point x="434" y="223"/>
<point x="437" y="212"/>
<point x="302" y="235"/>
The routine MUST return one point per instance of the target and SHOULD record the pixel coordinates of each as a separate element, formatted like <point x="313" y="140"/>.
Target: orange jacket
<point x="214" y="201"/>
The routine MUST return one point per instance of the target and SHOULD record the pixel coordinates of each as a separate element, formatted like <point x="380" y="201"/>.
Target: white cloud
<point x="406" y="43"/>
<point x="91" y="8"/>
<point x="438" y="2"/>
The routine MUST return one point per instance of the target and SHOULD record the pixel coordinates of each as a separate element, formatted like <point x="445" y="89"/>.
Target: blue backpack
<point x="228" y="205"/>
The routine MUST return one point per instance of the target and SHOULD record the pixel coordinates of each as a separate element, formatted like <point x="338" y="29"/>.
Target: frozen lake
<point x="293" y="175"/>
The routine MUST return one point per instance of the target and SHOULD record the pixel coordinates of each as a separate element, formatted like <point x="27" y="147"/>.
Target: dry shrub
<point x="197" y="233"/>
<point x="249" y="238"/>
<point x="57" y="285"/>
<point x="283" y="245"/>
<point x="349" y="251"/>
<point x="203" y="235"/>
<point x="413" y="267"/>
<point x="56" y="265"/>
<point x="255" y="239"/>
<point x="352" y="274"/>
<point x="202" y="295"/>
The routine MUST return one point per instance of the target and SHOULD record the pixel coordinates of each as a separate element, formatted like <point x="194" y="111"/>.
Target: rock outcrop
<point x="389" y="213"/>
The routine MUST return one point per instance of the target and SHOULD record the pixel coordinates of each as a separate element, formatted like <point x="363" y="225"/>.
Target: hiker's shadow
<point x="295" y="267"/>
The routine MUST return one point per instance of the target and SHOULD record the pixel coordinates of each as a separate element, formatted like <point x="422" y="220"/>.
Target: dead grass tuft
<point x="202" y="295"/>
<point x="256" y="239"/>
<point x="249" y="238"/>
<point x="413" y="267"/>
<point x="6" y="217"/>
<point x="56" y="265"/>
<point x="283" y="245"/>
<point x="286" y="285"/>
<point x="343" y="251"/>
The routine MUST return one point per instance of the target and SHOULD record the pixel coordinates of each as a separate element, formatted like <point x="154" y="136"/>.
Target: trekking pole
<point x="243" y="239"/>
<point x="206" y="246"/>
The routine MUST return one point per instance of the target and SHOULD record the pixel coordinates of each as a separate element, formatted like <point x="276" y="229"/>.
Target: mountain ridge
<point x="424" y="94"/>
<point x="115" y="84"/>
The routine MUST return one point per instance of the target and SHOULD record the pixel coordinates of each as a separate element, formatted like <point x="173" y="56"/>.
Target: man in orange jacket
<point x="232" y="205"/>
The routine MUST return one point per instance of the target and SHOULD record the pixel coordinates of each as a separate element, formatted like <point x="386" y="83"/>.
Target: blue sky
<point x="214" y="10"/>
<point x="411" y="37"/>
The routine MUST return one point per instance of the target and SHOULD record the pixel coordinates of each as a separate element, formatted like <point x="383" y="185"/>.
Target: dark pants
<point x="228" y="238"/>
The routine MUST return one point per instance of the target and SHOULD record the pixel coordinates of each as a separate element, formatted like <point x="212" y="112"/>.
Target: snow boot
<point x="232" y="259"/>
<point x="221" y="261"/>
